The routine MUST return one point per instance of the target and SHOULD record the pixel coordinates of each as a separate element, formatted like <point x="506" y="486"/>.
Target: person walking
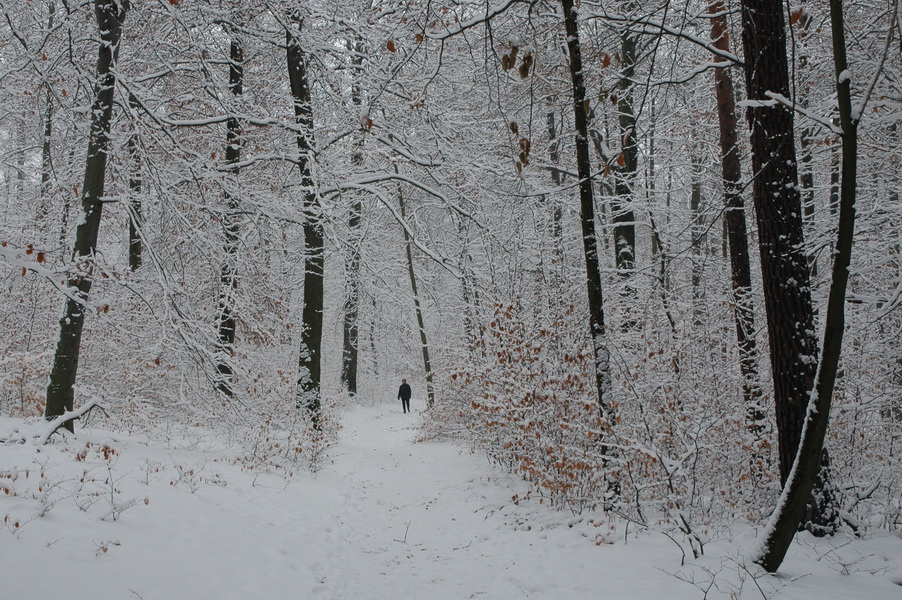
<point x="404" y="395"/>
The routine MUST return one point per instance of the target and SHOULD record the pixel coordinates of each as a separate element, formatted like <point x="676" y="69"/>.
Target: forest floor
<point x="386" y="517"/>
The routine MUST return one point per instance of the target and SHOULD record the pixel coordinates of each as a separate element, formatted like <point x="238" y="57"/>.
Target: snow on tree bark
<point x="309" y="365"/>
<point x="351" y="327"/>
<point x="228" y="277"/>
<point x="784" y="266"/>
<point x="587" y="217"/>
<point x="809" y="459"/>
<point x="110" y="15"/>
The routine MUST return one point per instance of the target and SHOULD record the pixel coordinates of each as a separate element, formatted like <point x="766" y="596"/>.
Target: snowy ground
<point x="386" y="518"/>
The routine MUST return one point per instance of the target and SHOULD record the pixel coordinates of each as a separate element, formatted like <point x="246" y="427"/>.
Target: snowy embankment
<point x="108" y="516"/>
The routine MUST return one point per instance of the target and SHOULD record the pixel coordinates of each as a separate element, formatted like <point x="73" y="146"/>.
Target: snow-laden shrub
<point x="528" y="407"/>
<point x="285" y="441"/>
<point x="678" y="450"/>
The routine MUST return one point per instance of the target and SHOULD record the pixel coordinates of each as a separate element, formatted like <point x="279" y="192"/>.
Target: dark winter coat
<point x="404" y="392"/>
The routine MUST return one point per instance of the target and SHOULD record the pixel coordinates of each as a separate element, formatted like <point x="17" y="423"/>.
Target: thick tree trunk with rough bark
<point x="60" y="393"/>
<point x="809" y="462"/>
<point x="785" y="269"/>
<point x="309" y="367"/>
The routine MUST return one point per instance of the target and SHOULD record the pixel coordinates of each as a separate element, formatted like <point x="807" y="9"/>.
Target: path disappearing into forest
<point x="431" y="520"/>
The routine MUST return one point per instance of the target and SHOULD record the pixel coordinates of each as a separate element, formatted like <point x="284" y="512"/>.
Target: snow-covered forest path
<point x="427" y="518"/>
<point x="386" y="518"/>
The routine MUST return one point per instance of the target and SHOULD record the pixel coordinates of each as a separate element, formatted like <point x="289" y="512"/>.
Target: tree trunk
<point x="473" y="330"/>
<point x="46" y="157"/>
<point x="699" y="242"/>
<point x="60" y="391"/>
<point x="736" y="232"/>
<point x="808" y="463"/>
<point x="427" y="365"/>
<point x="557" y="179"/>
<point x="309" y="370"/>
<point x="835" y="159"/>
<point x="587" y="218"/>
<point x="135" y="185"/>
<point x="622" y="215"/>
<point x="350" y="330"/>
<point x="784" y="267"/>
<point x="228" y="275"/>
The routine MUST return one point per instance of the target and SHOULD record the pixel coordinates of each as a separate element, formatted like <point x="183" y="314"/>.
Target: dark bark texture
<point x="135" y="185"/>
<point x="622" y="215"/>
<point x="811" y="458"/>
<point x="228" y="275"/>
<point x="309" y="368"/>
<point x="784" y="266"/>
<point x="60" y="393"/>
<point x="587" y="215"/>
<point x="785" y="269"/>
<point x="735" y="225"/>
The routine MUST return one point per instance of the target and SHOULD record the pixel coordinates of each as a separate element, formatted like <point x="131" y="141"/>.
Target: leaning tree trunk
<point x="60" y="391"/>
<point x="737" y="233"/>
<point x="228" y="276"/>
<point x="784" y="267"/>
<point x="307" y="392"/>
<point x="427" y="364"/>
<point x="602" y="370"/>
<point x="808" y="461"/>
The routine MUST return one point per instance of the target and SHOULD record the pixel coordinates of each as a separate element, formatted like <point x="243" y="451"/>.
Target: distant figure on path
<point x="404" y="395"/>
